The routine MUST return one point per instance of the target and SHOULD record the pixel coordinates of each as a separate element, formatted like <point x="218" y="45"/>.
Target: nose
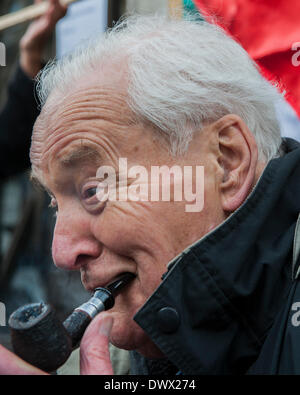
<point x="73" y="243"/>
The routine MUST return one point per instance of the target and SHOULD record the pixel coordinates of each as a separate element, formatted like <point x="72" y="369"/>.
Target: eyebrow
<point x="71" y="159"/>
<point x="80" y="154"/>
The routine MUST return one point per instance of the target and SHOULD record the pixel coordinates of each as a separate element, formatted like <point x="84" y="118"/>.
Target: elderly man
<point x="216" y="284"/>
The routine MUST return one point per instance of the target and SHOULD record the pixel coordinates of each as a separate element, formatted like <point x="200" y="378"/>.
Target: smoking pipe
<point x="39" y="338"/>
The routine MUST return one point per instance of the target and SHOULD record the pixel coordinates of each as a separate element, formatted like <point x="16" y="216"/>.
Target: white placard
<point x="84" y="19"/>
<point x="288" y="120"/>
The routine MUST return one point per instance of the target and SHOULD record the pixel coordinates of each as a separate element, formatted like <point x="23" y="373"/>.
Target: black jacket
<point x="16" y="122"/>
<point x="229" y="304"/>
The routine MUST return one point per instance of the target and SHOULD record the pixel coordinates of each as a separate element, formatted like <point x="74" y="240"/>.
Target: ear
<point x="238" y="158"/>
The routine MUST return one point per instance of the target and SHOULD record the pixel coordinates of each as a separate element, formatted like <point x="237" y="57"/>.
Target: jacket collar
<point x="228" y="287"/>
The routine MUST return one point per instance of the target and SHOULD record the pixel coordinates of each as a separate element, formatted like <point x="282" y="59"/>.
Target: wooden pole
<point x="27" y="14"/>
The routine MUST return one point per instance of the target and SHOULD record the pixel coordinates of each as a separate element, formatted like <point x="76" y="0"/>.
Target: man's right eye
<point x="90" y="196"/>
<point x="89" y="193"/>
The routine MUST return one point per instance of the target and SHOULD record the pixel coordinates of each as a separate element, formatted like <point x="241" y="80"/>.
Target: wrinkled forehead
<point x="99" y="92"/>
<point x="86" y="110"/>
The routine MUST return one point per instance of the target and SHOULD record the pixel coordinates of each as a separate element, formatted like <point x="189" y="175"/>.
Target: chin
<point x="130" y="336"/>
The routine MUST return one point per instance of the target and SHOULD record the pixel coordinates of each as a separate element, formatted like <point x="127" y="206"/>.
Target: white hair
<point x="182" y="75"/>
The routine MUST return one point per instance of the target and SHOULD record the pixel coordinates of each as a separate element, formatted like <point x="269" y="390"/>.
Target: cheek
<point x="127" y="228"/>
<point x="133" y="231"/>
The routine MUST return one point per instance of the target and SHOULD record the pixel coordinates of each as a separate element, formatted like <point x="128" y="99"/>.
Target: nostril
<point x="82" y="260"/>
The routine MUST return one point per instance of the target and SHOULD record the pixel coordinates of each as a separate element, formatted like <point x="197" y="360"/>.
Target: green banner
<point x="190" y="8"/>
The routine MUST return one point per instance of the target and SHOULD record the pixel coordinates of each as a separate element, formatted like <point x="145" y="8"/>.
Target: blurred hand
<point x="94" y="353"/>
<point x="34" y="40"/>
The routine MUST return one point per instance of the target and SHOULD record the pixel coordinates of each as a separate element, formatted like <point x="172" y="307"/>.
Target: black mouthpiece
<point x="120" y="283"/>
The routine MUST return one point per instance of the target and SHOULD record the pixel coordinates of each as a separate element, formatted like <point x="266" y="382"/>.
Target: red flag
<point x="269" y="30"/>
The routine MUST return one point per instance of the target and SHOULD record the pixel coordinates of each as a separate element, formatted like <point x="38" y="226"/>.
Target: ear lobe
<point x="238" y="159"/>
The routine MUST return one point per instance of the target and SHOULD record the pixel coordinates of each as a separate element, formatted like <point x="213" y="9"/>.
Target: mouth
<point x="114" y="284"/>
<point x="117" y="285"/>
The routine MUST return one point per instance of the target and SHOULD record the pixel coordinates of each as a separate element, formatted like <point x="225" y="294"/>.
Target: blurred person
<point x="216" y="290"/>
<point x="21" y="109"/>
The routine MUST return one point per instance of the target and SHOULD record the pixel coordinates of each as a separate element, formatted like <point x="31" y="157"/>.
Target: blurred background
<point x="268" y="30"/>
